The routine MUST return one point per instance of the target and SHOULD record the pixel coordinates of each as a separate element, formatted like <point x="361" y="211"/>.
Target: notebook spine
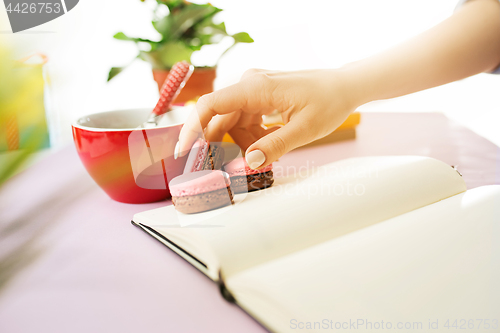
<point x="226" y="294"/>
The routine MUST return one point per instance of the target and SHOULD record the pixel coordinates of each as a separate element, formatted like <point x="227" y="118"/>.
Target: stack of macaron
<point x="206" y="184"/>
<point x="202" y="186"/>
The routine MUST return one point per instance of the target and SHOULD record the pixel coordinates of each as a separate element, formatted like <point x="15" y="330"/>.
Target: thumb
<point x="271" y="147"/>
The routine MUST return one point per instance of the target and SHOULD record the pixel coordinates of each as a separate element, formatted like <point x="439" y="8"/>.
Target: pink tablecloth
<point x="94" y="272"/>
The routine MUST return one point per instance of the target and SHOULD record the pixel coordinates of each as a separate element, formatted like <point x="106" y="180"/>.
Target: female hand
<point x="312" y="103"/>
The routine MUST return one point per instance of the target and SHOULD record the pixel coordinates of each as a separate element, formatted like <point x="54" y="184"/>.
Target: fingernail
<point x="176" y="150"/>
<point x="255" y="158"/>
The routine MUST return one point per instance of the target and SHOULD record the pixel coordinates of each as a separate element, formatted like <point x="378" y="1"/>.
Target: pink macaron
<point x="199" y="191"/>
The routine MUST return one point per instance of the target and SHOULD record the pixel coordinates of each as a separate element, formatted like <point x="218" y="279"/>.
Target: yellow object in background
<point x="227" y="138"/>
<point x="22" y="110"/>
<point x="23" y="127"/>
<point x="351" y="122"/>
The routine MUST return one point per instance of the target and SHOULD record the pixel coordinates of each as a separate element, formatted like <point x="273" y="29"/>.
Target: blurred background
<point x="288" y="35"/>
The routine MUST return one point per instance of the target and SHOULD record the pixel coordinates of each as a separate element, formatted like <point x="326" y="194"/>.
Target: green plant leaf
<point x="242" y="37"/>
<point x="114" y="71"/>
<point x="207" y="32"/>
<point x="163" y="26"/>
<point x="208" y="27"/>
<point x="175" y="25"/>
<point x="195" y="44"/>
<point x="171" y="4"/>
<point x="11" y="163"/>
<point x="122" y="36"/>
<point x="152" y="57"/>
<point x="221" y="27"/>
<point x="168" y="54"/>
<point x="16" y="160"/>
<point x="174" y="52"/>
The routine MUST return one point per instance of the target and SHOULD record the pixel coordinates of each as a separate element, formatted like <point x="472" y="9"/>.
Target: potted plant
<point x="184" y="28"/>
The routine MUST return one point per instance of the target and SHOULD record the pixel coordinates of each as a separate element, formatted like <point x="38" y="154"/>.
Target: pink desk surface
<point x="95" y="272"/>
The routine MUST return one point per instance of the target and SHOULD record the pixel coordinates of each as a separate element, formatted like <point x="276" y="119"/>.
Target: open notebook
<point x="361" y="242"/>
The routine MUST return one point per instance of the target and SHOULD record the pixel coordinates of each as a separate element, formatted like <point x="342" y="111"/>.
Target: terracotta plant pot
<point x="200" y="83"/>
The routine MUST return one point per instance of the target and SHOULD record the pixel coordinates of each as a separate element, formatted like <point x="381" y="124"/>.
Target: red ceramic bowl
<point x="131" y="164"/>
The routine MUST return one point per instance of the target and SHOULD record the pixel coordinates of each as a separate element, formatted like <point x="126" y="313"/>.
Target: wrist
<point x="357" y="83"/>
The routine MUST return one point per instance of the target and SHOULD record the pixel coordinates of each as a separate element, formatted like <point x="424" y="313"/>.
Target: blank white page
<point x="440" y="262"/>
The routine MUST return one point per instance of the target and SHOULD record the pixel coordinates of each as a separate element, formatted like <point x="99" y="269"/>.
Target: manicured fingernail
<point x="255" y="158"/>
<point x="176" y="150"/>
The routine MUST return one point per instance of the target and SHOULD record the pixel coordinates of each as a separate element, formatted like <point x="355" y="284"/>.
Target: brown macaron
<point x="245" y="179"/>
